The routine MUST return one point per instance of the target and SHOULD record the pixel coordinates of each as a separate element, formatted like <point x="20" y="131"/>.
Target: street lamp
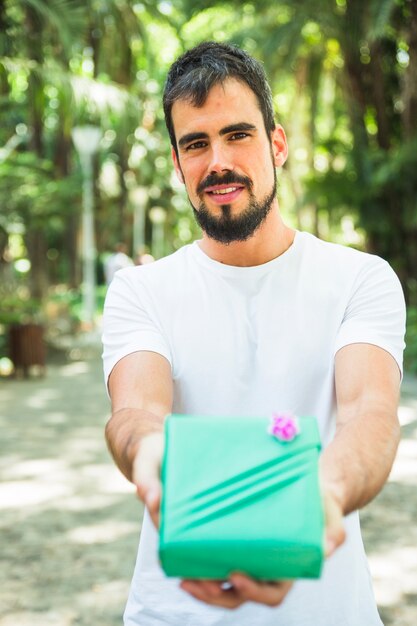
<point x="158" y="216"/>
<point x="86" y="140"/>
<point x="138" y="197"/>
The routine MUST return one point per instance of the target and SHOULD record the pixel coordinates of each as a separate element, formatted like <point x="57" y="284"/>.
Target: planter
<point x="27" y="347"/>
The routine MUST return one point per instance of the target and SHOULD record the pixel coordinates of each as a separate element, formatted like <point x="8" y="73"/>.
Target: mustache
<point x="227" y="179"/>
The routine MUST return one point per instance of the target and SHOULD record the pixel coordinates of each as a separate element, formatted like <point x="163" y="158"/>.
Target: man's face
<point x="227" y="161"/>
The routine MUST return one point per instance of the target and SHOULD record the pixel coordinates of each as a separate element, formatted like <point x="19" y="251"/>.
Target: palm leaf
<point x="66" y="17"/>
<point x="102" y="97"/>
<point x="380" y="14"/>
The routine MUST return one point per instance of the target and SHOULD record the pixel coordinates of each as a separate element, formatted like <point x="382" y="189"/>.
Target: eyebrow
<point x="232" y="128"/>
<point x="191" y="137"/>
<point x="237" y="127"/>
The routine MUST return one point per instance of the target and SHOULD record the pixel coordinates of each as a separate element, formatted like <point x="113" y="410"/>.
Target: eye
<point x="239" y="135"/>
<point x="196" y="145"/>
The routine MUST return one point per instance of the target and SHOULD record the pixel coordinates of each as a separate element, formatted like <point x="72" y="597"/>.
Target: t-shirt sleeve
<point x="375" y="312"/>
<point x="129" y="324"/>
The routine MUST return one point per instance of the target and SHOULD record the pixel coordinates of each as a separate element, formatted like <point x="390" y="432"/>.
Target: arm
<point x="357" y="463"/>
<point x="141" y="391"/>
<point x="354" y="467"/>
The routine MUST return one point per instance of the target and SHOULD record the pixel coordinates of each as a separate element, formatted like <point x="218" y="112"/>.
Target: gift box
<point x="236" y="498"/>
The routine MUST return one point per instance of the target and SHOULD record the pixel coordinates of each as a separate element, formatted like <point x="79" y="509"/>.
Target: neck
<point x="268" y="242"/>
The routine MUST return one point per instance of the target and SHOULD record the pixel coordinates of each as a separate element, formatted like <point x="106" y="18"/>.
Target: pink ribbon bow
<point x="284" y="426"/>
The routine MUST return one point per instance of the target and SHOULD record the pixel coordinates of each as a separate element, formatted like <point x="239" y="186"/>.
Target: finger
<point x="146" y="471"/>
<point x="271" y="594"/>
<point x="228" y="599"/>
<point x="212" y="588"/>
<point x="152" y="501"/>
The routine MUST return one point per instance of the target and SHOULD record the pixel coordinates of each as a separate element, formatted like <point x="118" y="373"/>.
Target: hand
<point x="244" y="589"/>
<point x="146" y="473"/>
<point x="241" y="589"/>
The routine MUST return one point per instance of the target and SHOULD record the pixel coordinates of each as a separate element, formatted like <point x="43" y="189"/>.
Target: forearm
<point x="355" y="466"/>
<point x="124" y="432"/>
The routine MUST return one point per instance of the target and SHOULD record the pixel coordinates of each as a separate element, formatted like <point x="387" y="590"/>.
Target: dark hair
<point x="194" y="73"/>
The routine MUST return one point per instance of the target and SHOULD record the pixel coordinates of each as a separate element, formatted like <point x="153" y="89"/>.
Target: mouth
<point x="224" y="194"/>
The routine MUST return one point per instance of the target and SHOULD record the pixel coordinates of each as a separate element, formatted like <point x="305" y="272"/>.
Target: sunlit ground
<point x="69" y="522"/>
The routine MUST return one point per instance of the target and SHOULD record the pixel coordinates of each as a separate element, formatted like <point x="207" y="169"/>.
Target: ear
<point x="279" y="146"/>
<point x="177" y="166"/>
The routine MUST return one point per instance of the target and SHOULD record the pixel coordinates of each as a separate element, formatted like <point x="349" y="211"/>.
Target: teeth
<point x="223" y="191"/>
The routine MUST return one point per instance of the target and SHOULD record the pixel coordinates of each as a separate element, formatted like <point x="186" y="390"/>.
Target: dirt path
<point x="69" y="523"/>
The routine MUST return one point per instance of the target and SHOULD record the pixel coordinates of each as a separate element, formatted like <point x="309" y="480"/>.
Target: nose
<point x="220" y="159"/>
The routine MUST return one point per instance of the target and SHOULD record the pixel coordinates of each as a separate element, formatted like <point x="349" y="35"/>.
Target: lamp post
<point x="158" y="217"/>
<point x="138" y="197"/>
<point x="86" y="140"/>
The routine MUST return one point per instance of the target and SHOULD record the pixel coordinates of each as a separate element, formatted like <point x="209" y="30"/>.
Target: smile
<point x="224" y="195"/>
<point x="223" y="191"/>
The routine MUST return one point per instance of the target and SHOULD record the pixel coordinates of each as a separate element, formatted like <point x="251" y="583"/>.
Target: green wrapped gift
<point x="236" y="498"/>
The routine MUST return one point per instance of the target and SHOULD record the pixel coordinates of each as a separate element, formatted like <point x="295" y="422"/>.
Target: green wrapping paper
<point x="237" y="499"/>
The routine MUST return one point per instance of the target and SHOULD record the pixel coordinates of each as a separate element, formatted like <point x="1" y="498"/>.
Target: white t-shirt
<point x="251" y="341"/>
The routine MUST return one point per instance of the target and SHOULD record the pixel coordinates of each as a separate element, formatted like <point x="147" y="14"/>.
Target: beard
<point x="226" y="228"/>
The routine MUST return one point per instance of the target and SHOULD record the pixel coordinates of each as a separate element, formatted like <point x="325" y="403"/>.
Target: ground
<point x="69" y="522"/>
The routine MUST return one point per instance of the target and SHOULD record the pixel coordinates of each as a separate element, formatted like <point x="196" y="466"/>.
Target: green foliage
<point x="343" y="78"/>
<point x="18" y="309"/>
<point x="30" y="193"/>
<point x="70" y="301"/>
<point x="380" y="14"/>
<point x="397" y="169"/>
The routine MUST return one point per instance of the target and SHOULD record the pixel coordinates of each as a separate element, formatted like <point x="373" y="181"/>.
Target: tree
<point x="375" y="87"/>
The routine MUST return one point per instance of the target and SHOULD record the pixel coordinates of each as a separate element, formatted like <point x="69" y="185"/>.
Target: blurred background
<point x="85" y="158"/>
<point x="87" y="185"/>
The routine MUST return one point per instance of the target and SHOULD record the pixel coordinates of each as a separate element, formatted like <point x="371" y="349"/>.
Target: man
<point x="253" y="318"/>
<point x="116" y="261"/>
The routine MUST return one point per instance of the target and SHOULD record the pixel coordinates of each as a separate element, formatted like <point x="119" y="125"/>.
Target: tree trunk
<point x="410" y="78"/>
<point x="354" y="86"/>
<point x="379" y="97"/>
<point x="409" y="120"/>
<point x="36" y="246"/>
<point x="315" y="66"/>
<point x="381" y="214"/>
<point x="35" y="87"/>
<point x="62" y="151"/>
<point x="94" y="37"/>
<point x="4" y="49"/>
<point x="354" y="92"/>
<point x="35" y="238"/>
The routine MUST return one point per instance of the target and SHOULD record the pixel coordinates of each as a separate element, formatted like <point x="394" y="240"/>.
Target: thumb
<point x="335" y="531"/>
<point x="152" y="501"/>
<point x="146" y="471"/>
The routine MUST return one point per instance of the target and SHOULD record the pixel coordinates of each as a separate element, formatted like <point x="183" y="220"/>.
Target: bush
<point x="70" y="301"/>
<point x="15" y="309"/>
